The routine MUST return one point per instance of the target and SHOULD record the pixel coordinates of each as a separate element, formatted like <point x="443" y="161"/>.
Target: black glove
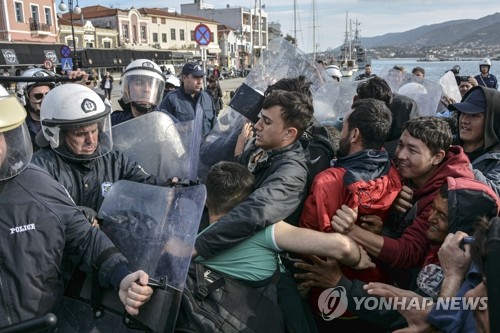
<point x="90" y="214"/>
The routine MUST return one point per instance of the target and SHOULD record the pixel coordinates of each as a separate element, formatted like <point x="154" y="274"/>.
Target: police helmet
<point x="35" y="72"/>
<point x="70" y="110"/>
<point x="173" y="80"/>
<point x="485" y="62"/>
<point x="142" y="84"/>
<point x="334" y="71"/>
<point x="15" y="143"/>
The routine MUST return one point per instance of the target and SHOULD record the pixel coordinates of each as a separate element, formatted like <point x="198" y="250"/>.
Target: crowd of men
<point x="380" y="205"/>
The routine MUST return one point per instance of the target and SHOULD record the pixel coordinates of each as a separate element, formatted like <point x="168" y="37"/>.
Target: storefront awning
<point x="26" y="54"/>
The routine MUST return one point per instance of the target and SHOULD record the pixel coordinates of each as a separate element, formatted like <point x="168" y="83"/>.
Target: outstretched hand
<point x="415" y="316"/>
<point x="403" y="200"/>
<point x="134" y="291"/>
<point x="344" y="219"/>
<point x="321" y="273"/>
<point x="372" y="223"/>
<point x="79" y="74"/>
<point x="245" y="135"/>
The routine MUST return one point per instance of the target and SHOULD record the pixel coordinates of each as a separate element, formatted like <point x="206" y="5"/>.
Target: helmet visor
<point x="86" y="140"/>
<point x="15" y="151"/>
<point x="142" y="89"/>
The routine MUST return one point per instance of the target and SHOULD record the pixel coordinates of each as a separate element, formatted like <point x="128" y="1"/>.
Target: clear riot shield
<point x="449" y="85"/>
<point x="333" y="100"/>
<point x="155" y="140"/>
<point x="155" y="228"/>
<point x="279" y="60"/>
<point x="426" y="93"/>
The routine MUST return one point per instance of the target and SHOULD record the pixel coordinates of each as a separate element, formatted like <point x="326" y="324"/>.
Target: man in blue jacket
<point x="184" y="103"/>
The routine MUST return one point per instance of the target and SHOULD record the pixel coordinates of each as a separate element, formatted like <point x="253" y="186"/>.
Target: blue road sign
<point x="202" y="34"/>
<point x="67" y="64"/>
<point x="65" y="51"/>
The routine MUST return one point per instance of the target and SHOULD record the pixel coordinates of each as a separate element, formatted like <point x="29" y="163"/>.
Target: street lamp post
<point x="72" y="10"/>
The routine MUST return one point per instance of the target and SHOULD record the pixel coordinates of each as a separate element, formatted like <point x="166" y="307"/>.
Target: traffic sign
<point x="65" y="51"/>
<point x="67" y="64"/>
<point x="48" y="64"/>
<point x="202" y="34"/>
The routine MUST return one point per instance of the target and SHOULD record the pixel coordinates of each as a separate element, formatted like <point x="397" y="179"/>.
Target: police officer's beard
<point x="32" y="112"/>
<point x="143" y="108"/>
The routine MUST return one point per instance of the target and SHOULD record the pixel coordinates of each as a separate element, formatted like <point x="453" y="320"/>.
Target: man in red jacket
<point x="362" y="178"/>
<point x="425" y="158"/>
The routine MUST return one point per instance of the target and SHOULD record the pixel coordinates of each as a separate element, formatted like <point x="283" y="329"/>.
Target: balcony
<point x="39" y="28"/>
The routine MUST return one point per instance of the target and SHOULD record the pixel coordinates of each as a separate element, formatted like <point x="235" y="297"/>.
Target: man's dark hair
<point x="443" y="190"/>
<point x="376" y="88"/>
<point x="373" y="119"/>
<point x="298" y="84"/>
<point x="228" y="184"/>
<point x="297" y="108"/>
<point x="399" y="68"/>
<point x="486" y="232"/>
<point x="368" y="65"/>
<point x="435" y="132"/>
<point x="418" y="69"/>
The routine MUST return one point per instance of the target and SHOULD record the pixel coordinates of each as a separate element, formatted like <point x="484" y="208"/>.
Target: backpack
<point x="318" y="149"/>
<point x="215" y="302"/>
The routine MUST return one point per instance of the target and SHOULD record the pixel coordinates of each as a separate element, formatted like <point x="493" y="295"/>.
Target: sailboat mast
<point x="295" y="22"/>
<point x="350" y="39"/>
<point x="314" y="30"/>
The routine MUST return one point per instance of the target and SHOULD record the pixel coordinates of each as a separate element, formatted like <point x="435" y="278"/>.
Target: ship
<point x="358" y="49"/>
<point x="347" y="60"/>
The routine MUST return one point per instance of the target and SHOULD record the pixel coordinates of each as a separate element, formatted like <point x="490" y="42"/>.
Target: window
<point x="155" y="37"/>
<point x="181" y="34"/>
<point x="70" y="42"/>
<point x="125" y="31"/>
<point x="164" y="38"/>
<point x="19" y="11"/>
<point x="34" y="13"/>
<point x="48" y="16"/>
<point x="143" y="32"/>
<point x="107" y="45"/>
<point x="212" y="37"/>
<point x="163" y="21"/>
<point x="153" y="19"/>
<point x="192" y="35"/>
<point x="172" y="34"/>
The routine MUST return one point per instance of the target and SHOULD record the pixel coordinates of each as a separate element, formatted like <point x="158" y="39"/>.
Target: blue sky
<point x="377" y="17"/>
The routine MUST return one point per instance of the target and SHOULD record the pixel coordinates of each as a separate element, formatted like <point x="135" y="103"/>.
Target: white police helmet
<point x="173" y="80"/>
<point x="142" y="84"/>
<point x="334" y="71"/>
<point x="37" y="73"/>
<point x="71" y="110"/>
<point x="485" y="62"/>
<point x="15" y="143"/>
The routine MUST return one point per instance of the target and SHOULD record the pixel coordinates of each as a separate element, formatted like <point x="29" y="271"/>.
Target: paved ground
<point x="226" y="86"/>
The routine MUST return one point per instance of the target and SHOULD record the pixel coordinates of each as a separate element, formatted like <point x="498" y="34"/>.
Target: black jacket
<point x="280" y="183"/>
<point x="39" y="224"/>
<point x="486" y="160"/>
<point x="88" y="181"/>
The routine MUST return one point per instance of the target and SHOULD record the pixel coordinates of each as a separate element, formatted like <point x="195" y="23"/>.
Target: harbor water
<point x="433" y="69"/>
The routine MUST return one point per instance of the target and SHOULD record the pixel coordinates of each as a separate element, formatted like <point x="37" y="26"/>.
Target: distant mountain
<point x="484" y="30"/>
